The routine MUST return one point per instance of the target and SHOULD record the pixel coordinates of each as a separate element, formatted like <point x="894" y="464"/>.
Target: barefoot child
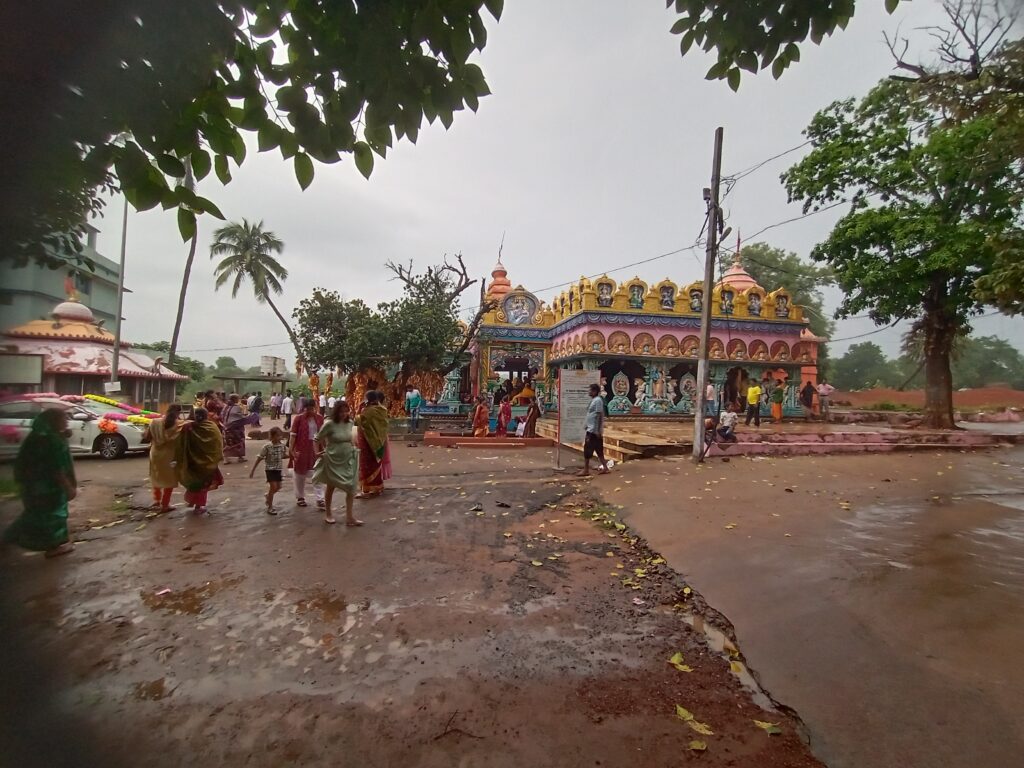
<point x="273" y="454"/>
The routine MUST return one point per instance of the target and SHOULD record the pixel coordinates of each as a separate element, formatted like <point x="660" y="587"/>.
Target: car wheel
<point x="111" y="446"/>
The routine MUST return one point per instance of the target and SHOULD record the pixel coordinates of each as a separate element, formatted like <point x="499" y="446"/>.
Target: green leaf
<point x="267" y="137"/>
<point x="170" y="165"/>
<point x="208" y="206"/>
<point x="186" y="224"/>
<point x="686" y="42"/>
<point x="200" y="160"/>
<point x="748" y="61"/>
<point x="778" y="67"/>
<point x="495" y="7"/>
<point x="681" y="26"/>
<point x="364" y="157"/>
<point x="734" y="78"/>
<point x="303" y="169"/>
<point x="220" y="165"/>
<point x="792" y="52"/>
<point x="891" y="5"/>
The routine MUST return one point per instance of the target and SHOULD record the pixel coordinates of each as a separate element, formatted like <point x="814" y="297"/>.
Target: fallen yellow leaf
<point x="686" y="716"/>
<point x="536" y="562"/>
<point x="771" y="728"/>
<point x="698" y="746"/>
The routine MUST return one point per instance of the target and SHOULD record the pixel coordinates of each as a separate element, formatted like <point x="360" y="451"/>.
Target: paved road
<point x="880" y="596"/>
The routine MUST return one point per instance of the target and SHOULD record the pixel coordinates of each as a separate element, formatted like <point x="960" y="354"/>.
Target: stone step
<point x="901" y="437"/>
<point x="818" y="447"/>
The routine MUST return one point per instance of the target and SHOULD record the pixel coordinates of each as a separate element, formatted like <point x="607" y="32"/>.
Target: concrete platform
<point x="458" y="440"/>
<point x="626" y="440"/>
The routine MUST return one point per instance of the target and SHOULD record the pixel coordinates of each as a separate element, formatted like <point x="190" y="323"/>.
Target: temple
<point x="643" y="338"/>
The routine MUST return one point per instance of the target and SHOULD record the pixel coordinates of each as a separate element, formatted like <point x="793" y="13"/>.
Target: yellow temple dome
<point x="71" y="320"/>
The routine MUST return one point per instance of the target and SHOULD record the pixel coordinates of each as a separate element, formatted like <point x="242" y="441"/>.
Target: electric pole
<point x="711" y="198"/>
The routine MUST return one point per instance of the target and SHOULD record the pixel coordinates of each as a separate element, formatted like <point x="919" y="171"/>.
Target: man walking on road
<point x="754" y="404"/>
<point x="286" y="409"/>
<point x="593" y="441"/>
<point x="825" y="391"/>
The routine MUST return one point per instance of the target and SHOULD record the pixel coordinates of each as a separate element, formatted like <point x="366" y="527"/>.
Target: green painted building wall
<point x="31" y="292"/>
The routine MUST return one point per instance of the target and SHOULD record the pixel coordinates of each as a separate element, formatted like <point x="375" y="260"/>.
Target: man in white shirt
<point x="825" y="391"/>
<point x="323" y="401"/>
<point x="330" y="403"/>
<point x="710" y="400"/>
<point x="593" y="439"/>
<point x="249" y="401"/>
<point x="727" y="424"/>
<point x="286" y="409"/>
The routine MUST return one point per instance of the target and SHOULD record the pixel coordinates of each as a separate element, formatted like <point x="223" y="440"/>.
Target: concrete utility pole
<point x="116" y="362"/>
<point x="711" y="198"/>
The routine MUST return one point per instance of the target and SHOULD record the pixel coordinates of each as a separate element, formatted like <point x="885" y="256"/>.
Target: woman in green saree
<point x="200" y="452"/>
<point x="46" y="477"/>
<point x="374" y="458"/>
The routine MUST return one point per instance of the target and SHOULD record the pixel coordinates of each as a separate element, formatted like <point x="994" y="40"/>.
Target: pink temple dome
<point x="500" y="284"/>
<point x="737" y="278"/>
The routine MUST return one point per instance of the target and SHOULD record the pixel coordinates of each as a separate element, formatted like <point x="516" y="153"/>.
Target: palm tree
<point x="248" y="250"/>
<point x="190" y="184"/>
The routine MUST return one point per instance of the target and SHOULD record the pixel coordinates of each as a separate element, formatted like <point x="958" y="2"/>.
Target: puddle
<point x="191" y="600"/>
<point x="330" y="608"/>
<point x="720" y="643"/>
<point x="154" y="690"/>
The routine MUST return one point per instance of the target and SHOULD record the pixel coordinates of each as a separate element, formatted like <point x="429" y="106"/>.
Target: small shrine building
<point x="643" y="338"/>
<point x="77" y="354"/>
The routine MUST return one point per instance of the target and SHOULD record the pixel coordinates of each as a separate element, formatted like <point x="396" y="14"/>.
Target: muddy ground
<point x="882" y="596"/>
<point x="519" y="633"/>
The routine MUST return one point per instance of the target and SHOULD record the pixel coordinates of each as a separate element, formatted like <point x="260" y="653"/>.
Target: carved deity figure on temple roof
<point x="604" y="294"/>
<point x="636" y="296"/>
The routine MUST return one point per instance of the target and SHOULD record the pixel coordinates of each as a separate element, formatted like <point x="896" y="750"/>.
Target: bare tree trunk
<point x="190" y="184"/>
<point x="291" y="333"/>
<point x="940" y="331"/>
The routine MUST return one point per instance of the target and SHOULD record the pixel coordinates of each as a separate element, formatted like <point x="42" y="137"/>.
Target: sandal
<point x="330" y="520"/>
<point x="301" y="503"/>
<point x="353" y="523"/>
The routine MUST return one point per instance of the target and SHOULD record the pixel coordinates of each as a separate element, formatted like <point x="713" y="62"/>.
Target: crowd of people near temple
<point x="326" y="444"/>
<point x="333" y="450"/>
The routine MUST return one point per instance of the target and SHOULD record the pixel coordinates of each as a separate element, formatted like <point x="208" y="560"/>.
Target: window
<point x="17" y="411"/>
<point x="83" y="284"/>
<point x="68" y="385"/>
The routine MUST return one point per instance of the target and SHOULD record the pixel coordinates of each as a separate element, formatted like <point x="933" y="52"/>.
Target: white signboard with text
<point x="573" y="400"/>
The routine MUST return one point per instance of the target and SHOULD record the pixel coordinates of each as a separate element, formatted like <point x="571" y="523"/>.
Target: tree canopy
<point x="179" y="84"/>
<point x="756" y="34"/>
<point x="418" y="332"/>
<point x="928" y="199"/>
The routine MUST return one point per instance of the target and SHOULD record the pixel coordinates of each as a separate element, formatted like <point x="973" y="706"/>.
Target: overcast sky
<point x="590" y="154"/>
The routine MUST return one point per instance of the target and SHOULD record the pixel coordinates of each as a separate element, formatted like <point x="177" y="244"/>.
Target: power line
<point x="231" y="349"/>
<point x="734" y="177"/>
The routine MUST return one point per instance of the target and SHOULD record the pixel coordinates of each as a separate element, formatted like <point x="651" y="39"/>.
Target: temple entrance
<point x="736" y="382"/>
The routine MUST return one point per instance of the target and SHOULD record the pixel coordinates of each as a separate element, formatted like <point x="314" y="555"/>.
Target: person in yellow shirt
<point x="754" y="404"/>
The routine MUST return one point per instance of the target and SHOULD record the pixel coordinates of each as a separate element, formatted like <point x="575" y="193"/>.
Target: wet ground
<point x="882" y="597"/>
<point x="488" y="614"/>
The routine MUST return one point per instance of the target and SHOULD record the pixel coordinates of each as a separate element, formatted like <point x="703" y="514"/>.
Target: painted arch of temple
<point x="643" y="338"/>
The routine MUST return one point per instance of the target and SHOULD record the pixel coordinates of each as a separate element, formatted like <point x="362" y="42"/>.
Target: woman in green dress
<point x="339" y="461"/>
<point x="46" y="477"/>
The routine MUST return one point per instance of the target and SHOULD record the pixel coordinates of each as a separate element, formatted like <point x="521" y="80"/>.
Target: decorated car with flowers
<point x="97" y="424"/>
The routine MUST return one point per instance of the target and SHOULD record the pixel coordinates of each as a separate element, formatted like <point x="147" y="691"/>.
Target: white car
<point x="16" y="417"/>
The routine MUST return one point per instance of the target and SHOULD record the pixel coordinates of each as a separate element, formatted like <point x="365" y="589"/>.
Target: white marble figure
<point x="641" y="393"/>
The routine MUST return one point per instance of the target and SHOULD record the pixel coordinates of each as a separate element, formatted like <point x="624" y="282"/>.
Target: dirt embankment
<point x="985" y="397"/>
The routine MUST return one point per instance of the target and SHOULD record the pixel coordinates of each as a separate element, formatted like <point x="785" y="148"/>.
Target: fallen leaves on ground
<point x="770" y="728"/>
<point x="687" y="717"/>
<point x="698" y="746"/>
<point x="677" y="662"/>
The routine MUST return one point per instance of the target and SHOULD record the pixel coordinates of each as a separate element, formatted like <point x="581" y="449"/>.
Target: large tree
<point x="249" y="256"/>
<point x="928" y="198"/>
<point x="168" y="84"/>
<point x="864" y="366"/>
<point x="418" y="334"/>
